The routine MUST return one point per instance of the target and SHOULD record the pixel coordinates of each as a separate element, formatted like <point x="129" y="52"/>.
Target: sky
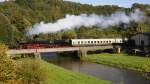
<point x="2" y="0"/>
<point x="121" y="3"/>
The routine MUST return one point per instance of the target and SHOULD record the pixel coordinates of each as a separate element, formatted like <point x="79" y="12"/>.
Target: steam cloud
<point x="76" y="21"/>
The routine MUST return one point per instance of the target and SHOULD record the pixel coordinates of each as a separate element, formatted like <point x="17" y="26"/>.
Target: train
<point x="70" y="43"/>
<point x="43" y="44"/>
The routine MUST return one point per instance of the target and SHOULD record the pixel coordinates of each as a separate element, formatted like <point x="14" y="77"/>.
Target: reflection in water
<point x="116" y="75"/>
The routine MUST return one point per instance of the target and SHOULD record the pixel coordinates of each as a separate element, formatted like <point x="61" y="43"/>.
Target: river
<point x="115" y="75"/>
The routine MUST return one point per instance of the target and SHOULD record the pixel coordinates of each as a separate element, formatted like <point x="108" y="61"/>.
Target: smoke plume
<point x="76" y="21"/>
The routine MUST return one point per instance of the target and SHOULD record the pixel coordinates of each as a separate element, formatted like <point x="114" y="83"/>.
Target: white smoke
<point x="76" y="21"/>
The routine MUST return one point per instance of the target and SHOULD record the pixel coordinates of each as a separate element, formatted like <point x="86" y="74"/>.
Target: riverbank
<point x="58" y="75"/>
<point x="122" y="61"/>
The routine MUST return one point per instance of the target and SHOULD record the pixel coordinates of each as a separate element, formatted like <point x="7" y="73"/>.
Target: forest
<point x="19" y="15"/>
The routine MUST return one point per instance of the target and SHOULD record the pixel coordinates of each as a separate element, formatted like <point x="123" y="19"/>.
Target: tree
<point x="6" y="30"/>
<point x="7" y="66"/>
<point x="94" y="32"/>
<point x="19" y="15"/>
<point x="55" y="36"/>
<point x="70" y="34"/>
<point x="142" y="27"/>
<point x="32" y="71"/>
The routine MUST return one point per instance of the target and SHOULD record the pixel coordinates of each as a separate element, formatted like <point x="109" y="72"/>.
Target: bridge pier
<point x="37" y="55"/>
<point x="117" y="49"/>
<point x="82" y="53"/>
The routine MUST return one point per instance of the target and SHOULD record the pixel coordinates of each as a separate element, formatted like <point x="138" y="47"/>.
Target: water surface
<point x="115" y="75"/>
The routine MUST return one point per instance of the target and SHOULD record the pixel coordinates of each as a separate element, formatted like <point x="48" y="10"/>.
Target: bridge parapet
<point x="21" y="51"/>
<point x="93" y="48"/>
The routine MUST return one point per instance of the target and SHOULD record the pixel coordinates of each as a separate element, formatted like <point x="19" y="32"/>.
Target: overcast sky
<point x="122" y="3"/>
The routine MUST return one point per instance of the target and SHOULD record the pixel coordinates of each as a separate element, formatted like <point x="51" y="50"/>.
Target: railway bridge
<point x="81" y="50"/>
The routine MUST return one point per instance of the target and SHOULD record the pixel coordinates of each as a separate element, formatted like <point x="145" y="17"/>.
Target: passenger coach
<point x="88" y="42"/>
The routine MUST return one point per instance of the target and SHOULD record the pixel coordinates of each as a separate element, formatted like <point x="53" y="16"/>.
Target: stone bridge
<point x="36" y="52"/>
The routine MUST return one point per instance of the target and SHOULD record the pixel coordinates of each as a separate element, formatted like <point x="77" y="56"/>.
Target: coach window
<point x="88" y="41"/>
<point x="109" y="41"/>
<point x="94" y="41"/>
<point x="106" y="41"/>
<point x="81" y="42"/>
<point x="97" y="41"/>
<point x="91" y="41"/>
<point x="78" y="42"/>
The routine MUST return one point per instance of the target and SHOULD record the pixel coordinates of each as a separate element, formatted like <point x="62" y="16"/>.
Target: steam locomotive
<point x="70" y="43"/>
<point x="43" y="44"/>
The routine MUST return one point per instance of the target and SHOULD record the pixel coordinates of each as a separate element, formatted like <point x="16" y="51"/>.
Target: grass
<point x="58" y="75"/>
<point x="122" y="61"/>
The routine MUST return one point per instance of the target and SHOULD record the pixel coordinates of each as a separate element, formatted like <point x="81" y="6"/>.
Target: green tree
<point x="142" y="27"/>
<point x="6" y="30"/>
<point x="32" y="71"/>
<point x="70" y="34"/>
<point x="19" y="15"/>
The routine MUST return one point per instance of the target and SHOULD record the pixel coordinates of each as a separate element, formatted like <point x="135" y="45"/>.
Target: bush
<point x="32" y="71"/>
<point x="7" y="66"/>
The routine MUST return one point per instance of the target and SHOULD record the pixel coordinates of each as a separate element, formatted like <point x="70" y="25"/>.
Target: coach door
<point x="142" y="43"/>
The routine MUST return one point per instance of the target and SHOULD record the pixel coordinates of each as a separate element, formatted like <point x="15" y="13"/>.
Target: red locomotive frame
<point x="39" y="45"/>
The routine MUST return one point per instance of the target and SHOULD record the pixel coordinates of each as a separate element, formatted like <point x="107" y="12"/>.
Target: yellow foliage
<point x="7" y="66"/>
